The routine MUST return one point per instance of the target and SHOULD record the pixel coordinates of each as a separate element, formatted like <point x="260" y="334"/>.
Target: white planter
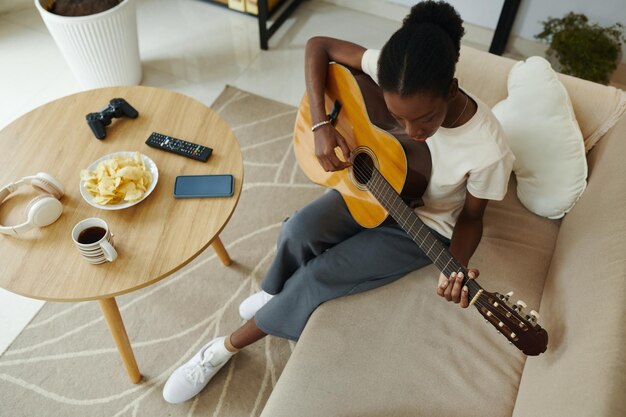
<point x="102" y="50"/>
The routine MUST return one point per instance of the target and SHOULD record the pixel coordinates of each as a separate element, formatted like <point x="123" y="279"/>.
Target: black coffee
<point x="91" y="235"/>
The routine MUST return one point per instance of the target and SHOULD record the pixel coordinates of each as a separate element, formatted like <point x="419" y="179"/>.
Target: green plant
<point x="584" y="50"/>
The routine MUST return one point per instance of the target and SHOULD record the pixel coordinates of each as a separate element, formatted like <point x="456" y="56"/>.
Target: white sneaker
<point x="252" y="304"/>
<point x="191" y="378"/>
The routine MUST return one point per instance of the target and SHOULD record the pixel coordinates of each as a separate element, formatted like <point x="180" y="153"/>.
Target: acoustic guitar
<point x="388" y="176"/>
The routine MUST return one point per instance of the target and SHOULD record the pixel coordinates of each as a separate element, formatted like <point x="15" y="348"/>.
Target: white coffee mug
<point x="94" y="240"/>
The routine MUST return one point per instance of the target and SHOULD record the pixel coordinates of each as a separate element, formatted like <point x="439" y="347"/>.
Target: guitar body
<point x="370" y="132"/>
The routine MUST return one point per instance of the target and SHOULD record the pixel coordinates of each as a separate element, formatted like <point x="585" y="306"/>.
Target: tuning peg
<point x="519" y="306"/>
<point x="534" y="317"/>
<point x="508" y="295"/>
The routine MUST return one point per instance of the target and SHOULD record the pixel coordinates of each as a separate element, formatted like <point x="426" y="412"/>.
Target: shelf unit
<point x="286" y="8"/>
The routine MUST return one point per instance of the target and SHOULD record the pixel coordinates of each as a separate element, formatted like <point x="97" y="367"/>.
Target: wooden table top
<point x="154" y="238"/>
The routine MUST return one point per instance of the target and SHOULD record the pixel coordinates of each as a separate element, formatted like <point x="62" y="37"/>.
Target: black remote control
<point x="179" y="146"/>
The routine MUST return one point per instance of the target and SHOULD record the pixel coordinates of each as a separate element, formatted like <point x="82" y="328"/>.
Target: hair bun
<point x="438" y="13"/>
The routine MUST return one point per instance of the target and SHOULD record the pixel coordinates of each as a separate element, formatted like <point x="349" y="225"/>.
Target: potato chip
<point x="129" y="173"/>
<point x="118" y="179"/>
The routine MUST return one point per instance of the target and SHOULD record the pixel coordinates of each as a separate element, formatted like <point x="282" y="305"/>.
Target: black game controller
<point x="117" y="107"/>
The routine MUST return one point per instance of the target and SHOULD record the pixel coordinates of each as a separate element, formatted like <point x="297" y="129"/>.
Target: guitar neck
<point x="410" y="222"/>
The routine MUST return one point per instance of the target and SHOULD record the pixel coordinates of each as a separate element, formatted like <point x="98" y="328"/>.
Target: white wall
<point x="486" y="15"/>
<point x="531" y="13"/>
<point x="485" y="12"/>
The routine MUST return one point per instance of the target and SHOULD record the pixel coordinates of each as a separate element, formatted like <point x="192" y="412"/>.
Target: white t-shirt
<point x="473" y="157"/>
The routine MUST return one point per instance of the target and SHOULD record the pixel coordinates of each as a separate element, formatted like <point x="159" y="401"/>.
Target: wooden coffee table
<point x="154" y="238"/>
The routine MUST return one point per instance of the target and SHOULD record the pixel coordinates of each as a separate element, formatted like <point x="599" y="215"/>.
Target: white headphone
<point x="42" y="210"/>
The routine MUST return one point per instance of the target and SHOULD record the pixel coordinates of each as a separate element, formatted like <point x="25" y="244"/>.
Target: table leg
<point x="116" y="326"/>
<point x="219" y="248"/>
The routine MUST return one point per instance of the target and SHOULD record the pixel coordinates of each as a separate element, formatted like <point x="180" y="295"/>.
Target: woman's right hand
<point x="326" y="140"/>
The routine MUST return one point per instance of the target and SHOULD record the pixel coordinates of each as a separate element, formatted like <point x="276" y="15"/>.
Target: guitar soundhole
<point x="363" y="166"/>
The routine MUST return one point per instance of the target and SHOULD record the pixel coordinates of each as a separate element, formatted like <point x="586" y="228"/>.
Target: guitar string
<point x="378" y="179"/>
<point x="362" y="173"/>
<point x="442" y="267"/>
<point x="381" y="180"/>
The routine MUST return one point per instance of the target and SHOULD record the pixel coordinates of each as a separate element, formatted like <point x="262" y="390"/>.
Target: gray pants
<point x="323" y="254"/>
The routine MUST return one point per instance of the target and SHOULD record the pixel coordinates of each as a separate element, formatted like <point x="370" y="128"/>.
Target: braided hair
<point x="422" y="55"/>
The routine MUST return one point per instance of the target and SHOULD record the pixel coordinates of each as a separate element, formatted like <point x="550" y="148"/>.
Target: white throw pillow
<point x="541" y="128"/>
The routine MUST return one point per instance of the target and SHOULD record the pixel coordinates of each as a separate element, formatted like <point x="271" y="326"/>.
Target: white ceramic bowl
<point x="92" y="167"/>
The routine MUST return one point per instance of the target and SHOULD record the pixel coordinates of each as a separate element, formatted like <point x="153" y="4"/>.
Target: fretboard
<point x="410" y="222"/>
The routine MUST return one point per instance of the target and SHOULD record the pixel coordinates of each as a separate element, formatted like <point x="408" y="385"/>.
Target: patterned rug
<point x="65" y="362"/>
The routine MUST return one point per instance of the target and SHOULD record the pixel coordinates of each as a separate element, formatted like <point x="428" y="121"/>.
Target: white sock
<point x="252" y="304"/>
<point x="220" y="353"/>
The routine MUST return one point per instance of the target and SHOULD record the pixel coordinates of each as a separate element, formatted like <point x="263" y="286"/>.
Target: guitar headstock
<point x="519" y="328"/>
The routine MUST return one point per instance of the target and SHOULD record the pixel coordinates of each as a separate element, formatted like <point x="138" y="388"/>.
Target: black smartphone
<point x="198" y="186"/>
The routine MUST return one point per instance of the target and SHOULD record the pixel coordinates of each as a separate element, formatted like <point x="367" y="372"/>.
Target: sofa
<point x="401" y="350"/>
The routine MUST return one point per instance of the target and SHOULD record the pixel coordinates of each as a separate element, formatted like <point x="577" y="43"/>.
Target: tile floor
<point x="189" y="46"/>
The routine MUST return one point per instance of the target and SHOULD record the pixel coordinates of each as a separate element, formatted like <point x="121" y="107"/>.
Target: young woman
<point x="322" y="252"/>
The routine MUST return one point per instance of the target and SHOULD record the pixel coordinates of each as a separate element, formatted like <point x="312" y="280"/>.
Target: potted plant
<point x="98" y="39"/>
<point x="581" y="49"/>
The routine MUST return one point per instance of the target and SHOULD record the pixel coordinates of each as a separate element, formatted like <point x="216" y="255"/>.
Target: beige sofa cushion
<point x="583" y="373"/>
<point x="401" y="350"/>
<point x="597" y="107"/>
<point x="484" y="74"/>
